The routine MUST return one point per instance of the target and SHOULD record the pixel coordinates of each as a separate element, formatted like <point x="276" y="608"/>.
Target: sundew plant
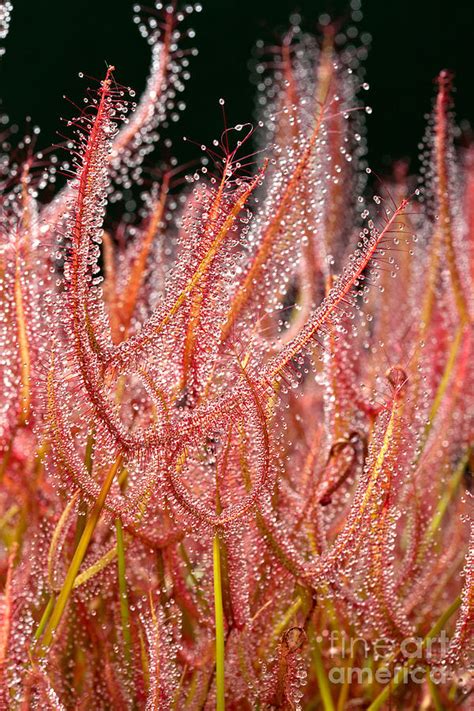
<point x="237" y="421"/>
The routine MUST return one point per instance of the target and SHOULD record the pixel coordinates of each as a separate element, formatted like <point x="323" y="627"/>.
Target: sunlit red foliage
<point x="237" y="423"/>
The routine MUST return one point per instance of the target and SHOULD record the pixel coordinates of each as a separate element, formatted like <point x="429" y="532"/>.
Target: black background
<point x="51" y="41"/>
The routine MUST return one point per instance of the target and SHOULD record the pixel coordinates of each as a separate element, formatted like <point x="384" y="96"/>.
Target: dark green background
<point x="51" y="41"/>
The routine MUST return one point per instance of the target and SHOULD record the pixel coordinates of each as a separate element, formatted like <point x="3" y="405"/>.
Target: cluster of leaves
<point x="239" y="419"/>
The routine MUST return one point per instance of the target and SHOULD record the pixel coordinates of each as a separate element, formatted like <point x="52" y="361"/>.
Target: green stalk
<point x="124" y="611"/>
<point x="44" y="617"/>
<point x="77" y="559"/>
<point x="344" y="693"/>
<point x="444" y="501"/>
<point x="285" y="621"/>
<point x="219" y="618"/>
<point x="95" y="568"/>
<point x="434" y="631"/>
<point x="443" y="384"/>
<point x="8" y="515"/>
<point x="82" y="509"/>
<point x="323" y="681"/>
<point x="437" y="703"/>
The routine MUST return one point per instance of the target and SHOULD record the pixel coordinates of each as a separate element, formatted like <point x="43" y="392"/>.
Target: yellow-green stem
<point x="45" y="616"/>
<point x="344" y="693"/>
<point x="124" y="611"/>
<point x="77" y="559"/>
<point x="219" y="618"/>
<point x="444" y="501"/>
<point x="95" y="568"/>
<point x="323" y="681"/>
<point x="444" y="382"/>
<point x="82" y="509"/>
<point x="284" y="621"/>
<point x="435" y="697"/>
